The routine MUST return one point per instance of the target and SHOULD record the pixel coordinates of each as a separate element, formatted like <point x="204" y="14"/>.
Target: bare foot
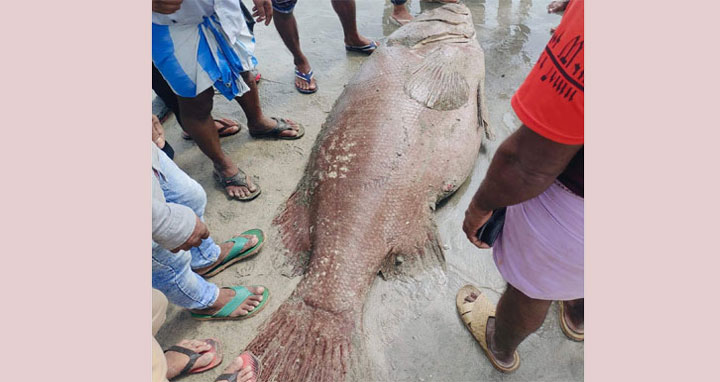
<point x="357" y="40"/>
<point x="227" y="294"/>
<point x="505" y="360"/>
<point x="176" y="361"/>
<point x="237" y="191"/>
<point x="245" y="372"/>
<point x="401" y="15"/>
<point x="225" y="250"/>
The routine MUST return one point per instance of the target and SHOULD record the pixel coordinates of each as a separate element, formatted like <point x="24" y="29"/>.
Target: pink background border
<point x="77" y="280"/>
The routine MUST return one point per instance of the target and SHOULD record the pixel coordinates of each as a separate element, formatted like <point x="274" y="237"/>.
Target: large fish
<point x="403" y="135"/>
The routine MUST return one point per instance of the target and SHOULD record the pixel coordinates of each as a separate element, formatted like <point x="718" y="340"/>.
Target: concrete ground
<point x="412" y="330"/>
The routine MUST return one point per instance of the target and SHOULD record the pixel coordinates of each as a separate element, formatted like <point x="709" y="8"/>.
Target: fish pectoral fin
<point x="295" y="228"/>
<point x="411" y="260"/>
<point x="437" y="84"/>
<point x="482" y="113"/>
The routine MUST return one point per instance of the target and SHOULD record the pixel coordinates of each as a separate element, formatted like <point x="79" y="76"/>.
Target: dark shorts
<point x="284" y="6"/>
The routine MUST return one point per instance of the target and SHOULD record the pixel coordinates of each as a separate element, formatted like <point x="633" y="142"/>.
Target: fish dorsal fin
<point x="436" y="84"/>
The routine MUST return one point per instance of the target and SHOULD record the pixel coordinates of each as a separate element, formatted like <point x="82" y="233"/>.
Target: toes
<point x="246" y="374"/>
<point x="196" y="345"/>
<point x="205" y="359"/>
<point x="236" y="365"/>
<point x="257" y="290"/>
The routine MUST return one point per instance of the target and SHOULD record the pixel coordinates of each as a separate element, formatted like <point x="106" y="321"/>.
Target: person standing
<point x="201" y="44"/>
<point x="287" y="28"/>
<point x="537" y="173"/>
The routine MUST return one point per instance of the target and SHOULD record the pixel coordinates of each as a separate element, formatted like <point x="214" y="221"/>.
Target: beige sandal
<point x="569" y="332"/>
<point x="475" y="315"/>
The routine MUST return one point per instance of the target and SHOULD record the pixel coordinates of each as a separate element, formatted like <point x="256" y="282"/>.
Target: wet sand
<point x="411" y="328"/>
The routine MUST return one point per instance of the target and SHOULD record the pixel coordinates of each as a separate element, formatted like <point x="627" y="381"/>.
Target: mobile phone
<point x="490" y="231"/>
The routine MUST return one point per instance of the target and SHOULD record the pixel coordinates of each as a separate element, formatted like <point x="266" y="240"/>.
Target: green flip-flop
<point x="241" y="294"/>
<point x="236" y="254"/>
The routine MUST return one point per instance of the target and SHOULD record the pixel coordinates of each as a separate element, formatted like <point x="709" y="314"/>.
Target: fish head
<point x="450" y="23"/>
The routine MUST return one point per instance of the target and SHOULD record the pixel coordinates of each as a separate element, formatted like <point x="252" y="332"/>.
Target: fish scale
<point x="404" y="134"/>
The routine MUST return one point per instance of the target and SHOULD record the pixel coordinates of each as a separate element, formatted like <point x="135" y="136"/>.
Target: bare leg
<point x="345" y="10"/>
<point x="199" y="124"/>
<point x="287" y="28"/>
<point x="516" y="317"/>
<point x="250" y="103"/>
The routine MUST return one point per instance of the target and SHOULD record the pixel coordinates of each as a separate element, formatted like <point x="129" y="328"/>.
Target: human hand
<point x="198" y="234"/>
<point x="158" y="133"/>
<point x="474" y="219"/>
<point x="557" y="6"/>
<point x="263" y="11"/>
<point x="166" y="6"/>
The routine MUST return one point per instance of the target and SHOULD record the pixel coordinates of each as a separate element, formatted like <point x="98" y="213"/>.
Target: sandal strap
<point x="241" y="294"/>
<point x="229" y="377"/>
<point x="282" y="125"/>
<point x="304" y="76"/>
<point x="191" y="362"/>
<point x="235" y="180"/>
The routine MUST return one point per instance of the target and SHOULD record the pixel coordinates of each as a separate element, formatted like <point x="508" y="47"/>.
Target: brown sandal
<point x="475" y="315"/>
<point x="282" y="125"/>
<point x="229" y="127"/>
<point x="237" y="180"/>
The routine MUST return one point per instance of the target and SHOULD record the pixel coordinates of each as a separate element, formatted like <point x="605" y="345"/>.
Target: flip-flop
<point x="236" y="254"/>
<point x="307" y="77"/>
<point x="236" y="180"/>
<point x="475" y="315"/>
<point x="241" y="294"/>
<point x="247" y="358"/>
<point x="229" y="127"/>
<point x="367" y="49"/>
<point x="566" y="329"/>
<point x="282" y="125"/>
<point x="194" y="356"/>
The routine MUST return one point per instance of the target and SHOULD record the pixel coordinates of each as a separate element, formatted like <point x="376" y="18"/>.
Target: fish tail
<point x="303" y="343"/>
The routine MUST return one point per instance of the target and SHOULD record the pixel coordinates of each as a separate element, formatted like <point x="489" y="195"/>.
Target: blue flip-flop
<point x="307" y="77"/>
<point x="367" y="49"/>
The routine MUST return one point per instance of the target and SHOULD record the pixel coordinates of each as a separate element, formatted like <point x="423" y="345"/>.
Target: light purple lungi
<point x="541" y="248"/>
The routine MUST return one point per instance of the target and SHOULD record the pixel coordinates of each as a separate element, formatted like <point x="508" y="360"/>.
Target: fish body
<point x="404" y="134"/>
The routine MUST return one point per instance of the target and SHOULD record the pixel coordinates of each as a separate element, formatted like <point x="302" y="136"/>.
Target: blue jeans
<point x="172" y="272"/>
<point x="398" y="2"/>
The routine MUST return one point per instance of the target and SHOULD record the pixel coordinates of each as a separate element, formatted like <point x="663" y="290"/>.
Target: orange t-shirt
<point x="551" y="100"/>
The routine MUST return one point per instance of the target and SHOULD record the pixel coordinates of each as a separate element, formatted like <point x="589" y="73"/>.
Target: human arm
<point x="523" y="167"/>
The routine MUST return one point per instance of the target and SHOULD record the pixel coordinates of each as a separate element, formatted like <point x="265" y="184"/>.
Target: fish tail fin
<point x="294" y="225"/>
<point x="419" y="254"/>
<point x="303" y="343"/>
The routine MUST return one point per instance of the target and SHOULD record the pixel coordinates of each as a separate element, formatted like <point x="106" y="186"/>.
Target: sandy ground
<point x="411" y="329"/>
